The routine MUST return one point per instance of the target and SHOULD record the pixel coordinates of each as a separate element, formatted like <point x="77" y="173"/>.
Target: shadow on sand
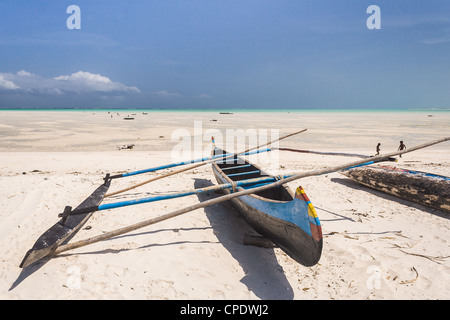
<point x="264" y="276"/>
<point x="28" y="271"/>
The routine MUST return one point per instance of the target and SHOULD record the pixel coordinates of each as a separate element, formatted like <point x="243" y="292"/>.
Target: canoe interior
<point x="237" y="169"/>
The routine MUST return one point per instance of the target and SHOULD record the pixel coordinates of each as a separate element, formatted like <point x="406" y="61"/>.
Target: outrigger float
<point x="267" y="204"/>
<point x="425" y="188"/>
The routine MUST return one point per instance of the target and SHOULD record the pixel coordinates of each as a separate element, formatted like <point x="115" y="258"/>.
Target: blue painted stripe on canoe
<point x="237" y="167"/>
<point x="313" y="220"/>
<point x="256" y="185"/>
<point x="360" y="165"/>
<point x="242" y="173"/>
<point x="425" y="174"/>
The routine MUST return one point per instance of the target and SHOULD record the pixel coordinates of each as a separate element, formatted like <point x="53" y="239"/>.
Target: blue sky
<point x="225" y="54"/>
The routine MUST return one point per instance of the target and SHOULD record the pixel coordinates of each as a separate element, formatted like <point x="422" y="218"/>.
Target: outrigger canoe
<point x="288" y="219"/>
<point x="65" y="228"/>
<point x="271" y="208"/>
<point x="421" y="187"/>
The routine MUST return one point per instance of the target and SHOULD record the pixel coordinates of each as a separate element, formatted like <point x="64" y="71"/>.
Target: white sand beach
<point x="376" y="246"/>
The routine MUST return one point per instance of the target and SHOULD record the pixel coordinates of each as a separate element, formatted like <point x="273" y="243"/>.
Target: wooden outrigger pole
<point x="121" y="204"/>
<point x="230" y="196"/>
<point x="242" y="183"/>
<point x="202" y="162"/>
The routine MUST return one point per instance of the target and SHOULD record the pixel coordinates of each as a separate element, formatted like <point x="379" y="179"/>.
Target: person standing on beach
<point x="378" y="148"/>
<point x="401" y="147"/>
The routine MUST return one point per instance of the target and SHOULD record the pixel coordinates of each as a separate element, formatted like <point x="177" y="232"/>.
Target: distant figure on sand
<point x="127" y="146"/>
<point x="401" y="147"/>
<point x="378" y="149"/>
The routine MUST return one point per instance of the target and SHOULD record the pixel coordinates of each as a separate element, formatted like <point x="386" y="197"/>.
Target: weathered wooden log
<point x="426" y="189"/>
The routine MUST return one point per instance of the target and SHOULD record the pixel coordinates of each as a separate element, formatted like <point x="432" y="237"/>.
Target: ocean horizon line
<point x="225" y="110"/>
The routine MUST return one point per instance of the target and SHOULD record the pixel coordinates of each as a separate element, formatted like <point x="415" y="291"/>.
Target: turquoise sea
<point x="224" y="110"/>
<point x="350" y="129"/>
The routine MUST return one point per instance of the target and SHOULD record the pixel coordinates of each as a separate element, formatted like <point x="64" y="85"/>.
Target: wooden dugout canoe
<point x="424" y="188"/>
<point x="286" y="218"/>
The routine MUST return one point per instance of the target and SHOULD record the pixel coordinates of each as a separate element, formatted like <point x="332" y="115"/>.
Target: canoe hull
<point x="61" y="232"/>
<point x="420" y="187"/>
<point x="291" y="224"/>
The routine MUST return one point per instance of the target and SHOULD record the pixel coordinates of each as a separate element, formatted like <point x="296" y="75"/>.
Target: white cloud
<point x="7" y="84"/>
<point x="164" y="93"/>
<point x="24" y="73"/>
<point x="79" y="82"/>
<point x="204" y="96"/>
<point x="82" y="81"/>
<point x="437" y="40"/>
<point x="413" y="20"/>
